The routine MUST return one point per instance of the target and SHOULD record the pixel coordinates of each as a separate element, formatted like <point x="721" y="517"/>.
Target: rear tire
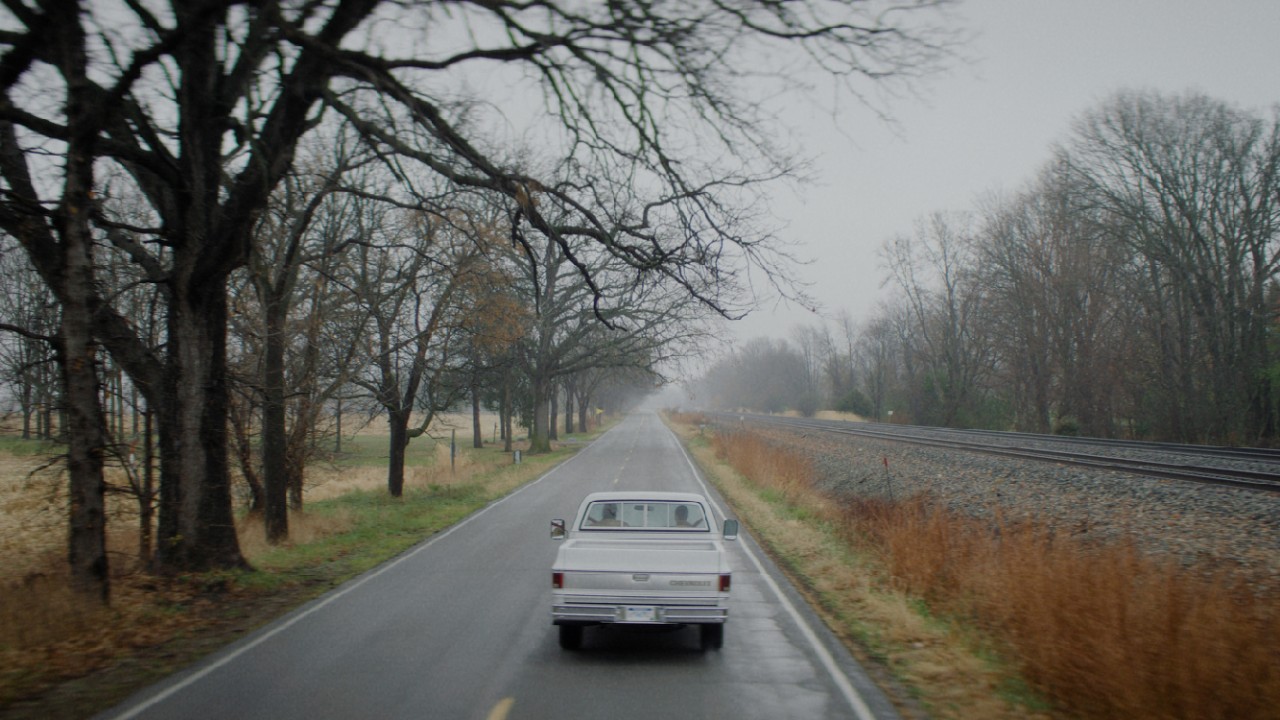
<point x="571" y="637"/>
<point x="712" y="636"/>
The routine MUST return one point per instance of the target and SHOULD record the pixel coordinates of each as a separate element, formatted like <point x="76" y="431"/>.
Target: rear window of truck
<point x="664" y="516"/>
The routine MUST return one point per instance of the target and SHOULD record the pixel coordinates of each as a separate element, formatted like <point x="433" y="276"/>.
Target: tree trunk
<point x="295" y="476"/>
<point x="568" y="408"/>
<point x="584" y="410"/>
<point x="296" y="452"/>
<point x="337" y="436"/>
<point x="26" y="410"/>
<point x="398" y="423"/>
<point x="197" y="529"/>
<point x="84" y="423"/>
<point x="553" y="415"/>
<point x="87" y="552"/>
<point x="539" y="438"/>
<point x="248" y="470"/>
<point x="146" y="494"/>
<point x="477" y="432"/>
<point x="275" y="475"/>
<point x="507" y="412"/>
<point x="86" y="441"/>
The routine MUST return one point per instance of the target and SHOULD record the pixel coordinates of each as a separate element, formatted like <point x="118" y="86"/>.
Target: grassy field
<point x="61" y="658"/>
<point x="985" y="620"/>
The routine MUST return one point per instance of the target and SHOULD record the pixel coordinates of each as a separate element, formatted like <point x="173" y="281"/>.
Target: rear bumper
<point x="565" y="611"/>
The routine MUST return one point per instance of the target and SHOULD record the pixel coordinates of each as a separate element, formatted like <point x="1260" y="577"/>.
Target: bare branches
<point x="644" y="183"/>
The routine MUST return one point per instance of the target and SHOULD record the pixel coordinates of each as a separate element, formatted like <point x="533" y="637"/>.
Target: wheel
<point x="712" y="637"/>
<point x="570" y="637"/>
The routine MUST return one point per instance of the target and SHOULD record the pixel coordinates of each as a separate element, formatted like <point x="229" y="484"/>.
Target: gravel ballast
<point x="1224" y="528"/>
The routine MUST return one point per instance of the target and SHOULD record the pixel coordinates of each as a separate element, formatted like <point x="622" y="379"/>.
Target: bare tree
<point x="495" y="323"/>
<point x="586" y="386"/>
<point x="29" y="314"/>
<point x="877" y="361"/>
<point x="1057" y="283"/>
<point x="842" y="368"/>
<point x="203" y="106"/>
<point x="1192" y="187"/>
<point x="309" y="220"/>
<point x="813" y="344"/>
<point x="624" y="322"/>
<point x="412" y="291"/>
<point x="936" y="270"/>
<point x="58" y="238"/>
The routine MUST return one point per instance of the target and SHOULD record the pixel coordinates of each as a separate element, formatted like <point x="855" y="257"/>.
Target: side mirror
<point x="557" y="530"/>
<point x="730" y="529"/>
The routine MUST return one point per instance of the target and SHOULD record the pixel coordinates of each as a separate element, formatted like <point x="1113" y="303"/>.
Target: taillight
<point x="557" y="580"/>
<point x="724" y="582"/>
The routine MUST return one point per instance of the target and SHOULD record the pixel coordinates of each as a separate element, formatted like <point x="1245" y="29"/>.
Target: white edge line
<point x="841" y="680"/>
<point x="344" y="590"/>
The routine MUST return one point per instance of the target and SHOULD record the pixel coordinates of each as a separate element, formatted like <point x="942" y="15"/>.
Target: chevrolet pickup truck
<point x="641" y="558"/>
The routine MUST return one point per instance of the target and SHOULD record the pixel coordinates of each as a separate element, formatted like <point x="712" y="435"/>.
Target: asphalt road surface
<point x="460" y="627"/>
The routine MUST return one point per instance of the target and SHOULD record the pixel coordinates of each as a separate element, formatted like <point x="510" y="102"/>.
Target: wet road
<point x="459" y="627"/>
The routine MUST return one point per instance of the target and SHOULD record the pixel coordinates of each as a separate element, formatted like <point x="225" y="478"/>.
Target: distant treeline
<point x="1129" y="289"/>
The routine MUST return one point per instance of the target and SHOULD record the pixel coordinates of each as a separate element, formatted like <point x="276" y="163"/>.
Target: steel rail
<point x="1254" y="454"/>
<point x="1228" y="477"/>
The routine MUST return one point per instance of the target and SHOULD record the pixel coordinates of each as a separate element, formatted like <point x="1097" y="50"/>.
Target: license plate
<point x="639" y="613"/>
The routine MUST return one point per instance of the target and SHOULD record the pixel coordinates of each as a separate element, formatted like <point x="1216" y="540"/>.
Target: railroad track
<point x="1022" y="446"/>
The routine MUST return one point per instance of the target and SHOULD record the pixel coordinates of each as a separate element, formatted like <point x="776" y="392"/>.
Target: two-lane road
<point x="459" y="627"/>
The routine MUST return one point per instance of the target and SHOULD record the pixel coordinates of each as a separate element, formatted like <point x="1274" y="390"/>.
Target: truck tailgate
<point x="657" y="556"/>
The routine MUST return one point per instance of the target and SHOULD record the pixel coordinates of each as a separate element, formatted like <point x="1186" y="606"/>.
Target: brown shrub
<point x="1102" y="630"/>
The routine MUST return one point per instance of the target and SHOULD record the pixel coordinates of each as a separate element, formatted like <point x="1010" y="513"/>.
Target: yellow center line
<point x="499" y="711"/>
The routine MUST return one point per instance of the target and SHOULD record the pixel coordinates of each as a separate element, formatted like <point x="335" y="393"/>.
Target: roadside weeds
<point x="984" y="618"/>
<point x="938" y="674"/>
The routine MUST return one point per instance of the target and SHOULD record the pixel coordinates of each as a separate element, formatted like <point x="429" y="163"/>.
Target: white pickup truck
<point x="645" y="558"/>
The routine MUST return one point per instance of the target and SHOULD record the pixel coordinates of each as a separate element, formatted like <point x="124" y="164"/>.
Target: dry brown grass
<point x="37" y="609"/>
<point x="33" y="502"/>
<point x="39" y="613"/>
<point x="42" y="609"/>
<point x="851" y="588"/>
<point x="833" y="415"/>
<point x="51" y="634"/>
<point x="1103" y="631"/>
<point x="32" y="519"/>
<point x="304" y="528"/>
<point x="43" y="624"/>
<point x="328" y="481"/>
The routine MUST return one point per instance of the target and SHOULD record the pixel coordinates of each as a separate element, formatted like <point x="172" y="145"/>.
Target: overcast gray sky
<point x="990" y="124"/>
